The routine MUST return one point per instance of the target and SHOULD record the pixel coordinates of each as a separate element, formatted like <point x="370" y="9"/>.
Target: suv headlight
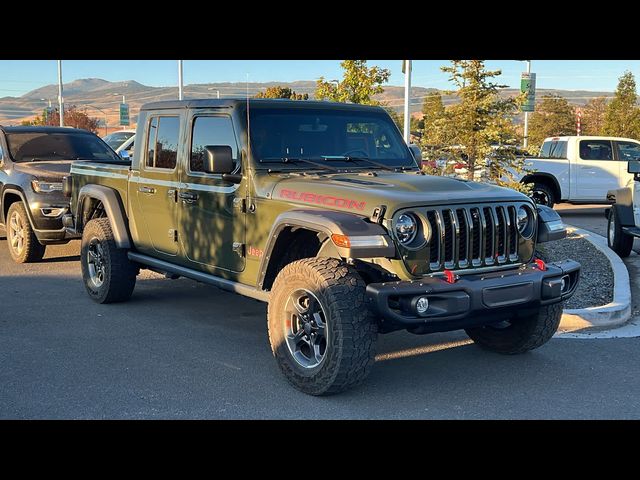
<point x="46" y="187"/>
<point x="406" y="228"/>
<point x="525" y="220"/>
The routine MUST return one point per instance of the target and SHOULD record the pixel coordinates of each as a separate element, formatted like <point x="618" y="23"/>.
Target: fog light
<point x="564" y="284"/>
<point x="422" y="305"/>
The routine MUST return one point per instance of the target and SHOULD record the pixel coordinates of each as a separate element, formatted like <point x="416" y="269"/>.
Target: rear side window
<point x="596" y="150"/>
<point x="162" y="143"/>
<point x="210" y="131"/>
<point x="554" y="149"/>
<point x="628" y="151"/>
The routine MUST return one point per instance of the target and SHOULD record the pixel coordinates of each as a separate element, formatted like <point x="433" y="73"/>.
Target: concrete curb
<point x="612" y="314"/>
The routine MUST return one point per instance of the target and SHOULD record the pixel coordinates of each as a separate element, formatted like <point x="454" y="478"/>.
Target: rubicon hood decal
<point x="326" y="200"/>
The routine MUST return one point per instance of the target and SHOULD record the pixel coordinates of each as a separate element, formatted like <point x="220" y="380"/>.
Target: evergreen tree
<point x="622" y="118"/>
<point x="553" y="117"/>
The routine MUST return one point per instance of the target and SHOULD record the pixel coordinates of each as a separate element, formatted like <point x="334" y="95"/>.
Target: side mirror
<point x="417" y="153"/>
<point x="124" y="155"/>
<point x="219" y="159"/>
<point x="633" y="167"/>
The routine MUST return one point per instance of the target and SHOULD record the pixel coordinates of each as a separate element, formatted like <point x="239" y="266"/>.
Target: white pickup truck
<point x="580" y="169"/>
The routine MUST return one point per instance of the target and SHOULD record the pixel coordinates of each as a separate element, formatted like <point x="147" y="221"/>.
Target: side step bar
<point x="222" y="283"/>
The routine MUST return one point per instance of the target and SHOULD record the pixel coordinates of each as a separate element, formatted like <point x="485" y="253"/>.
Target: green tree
<point x="432" y="112"/>
<point x="553" y="117"/>
<point x="622" y="118"/>
<point x="73" y="117"/>
<point x="359" y="84"/>
<point x="282" y="92"/>
<point x="479" y="121"/>
<point x="593" y="115"/>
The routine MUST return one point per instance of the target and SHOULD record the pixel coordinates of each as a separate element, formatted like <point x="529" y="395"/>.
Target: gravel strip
<point x="596" y="277"/>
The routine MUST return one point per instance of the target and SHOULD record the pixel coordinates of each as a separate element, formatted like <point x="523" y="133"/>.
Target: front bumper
<point x="473" y="299"/>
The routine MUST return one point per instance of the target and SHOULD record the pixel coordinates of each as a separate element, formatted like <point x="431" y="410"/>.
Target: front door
<point x="158" y="183"/>
<point x="211" y="210"/>
<point x="597" y="170"/>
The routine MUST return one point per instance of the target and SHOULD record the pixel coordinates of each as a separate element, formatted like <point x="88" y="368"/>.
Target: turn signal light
<point x="341" y="240"/>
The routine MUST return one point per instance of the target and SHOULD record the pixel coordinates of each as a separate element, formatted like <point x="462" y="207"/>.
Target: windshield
<point x="114" y="140"/>
<point x="43" y="146"/>
<point x="327" y="135"/>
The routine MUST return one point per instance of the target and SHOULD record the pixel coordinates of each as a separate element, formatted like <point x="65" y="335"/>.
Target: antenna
<point x="248" y="126"/>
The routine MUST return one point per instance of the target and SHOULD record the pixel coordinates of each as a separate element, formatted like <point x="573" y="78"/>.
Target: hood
<point x="363" y="192"/>
<point x="45" y="170"/>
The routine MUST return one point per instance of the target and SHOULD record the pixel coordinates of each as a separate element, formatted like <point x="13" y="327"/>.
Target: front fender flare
<point x="623" y="198"/>
<point x="113" y="208"/>
<point x="329" y="222"/>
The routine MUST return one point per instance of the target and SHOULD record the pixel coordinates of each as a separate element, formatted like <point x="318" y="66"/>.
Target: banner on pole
<point x="528" y="86"/>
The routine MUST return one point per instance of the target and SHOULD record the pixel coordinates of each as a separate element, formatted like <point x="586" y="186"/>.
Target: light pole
<point x="179" y="79"/>
<point x="407" y="99"/>
<point x="106" y="129"/>
<point x="48" y="110"/>
<point x="526" y="114"/>
<point x="217" y="92"/>
<point x="60" y="99"/>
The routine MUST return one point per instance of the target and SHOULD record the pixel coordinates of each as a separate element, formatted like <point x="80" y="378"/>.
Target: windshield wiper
<point x="349" y="158"/>
<point x="298" y="159"/>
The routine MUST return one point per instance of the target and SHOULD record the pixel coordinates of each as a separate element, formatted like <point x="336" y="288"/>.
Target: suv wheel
<point x="618" y="241"/>
<point x="108" y="274"/>
<point x="23" y="244"/>
<point x="320" y="329"/>
<point x="521" y="333"/>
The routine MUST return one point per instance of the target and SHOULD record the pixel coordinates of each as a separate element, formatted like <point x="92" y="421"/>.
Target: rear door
<point x="158" y="182"/>
<point x="626" y="151"/>
<point x="597" y="170"/>
<point x="212" y="216"/>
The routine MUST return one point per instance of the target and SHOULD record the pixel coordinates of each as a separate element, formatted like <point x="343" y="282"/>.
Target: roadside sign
<point x="47" y="114"/>
<point x="124" y="114"/>
<point x="528" y="86"/>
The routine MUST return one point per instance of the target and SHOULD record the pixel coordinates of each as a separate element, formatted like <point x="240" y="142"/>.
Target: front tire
<point x="108" y="274"/>
<point x="618" y="241"/>
<point x="24" y="247"/>
<point x="520" y="334"/>
<point x="320" y="329"/>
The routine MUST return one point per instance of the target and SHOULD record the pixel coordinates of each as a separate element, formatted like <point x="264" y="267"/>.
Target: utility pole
<point x="526" y="116"/>
<point x="179" y="79"/>
<point x="407" y="99"/>
<point x="60" y="99"/>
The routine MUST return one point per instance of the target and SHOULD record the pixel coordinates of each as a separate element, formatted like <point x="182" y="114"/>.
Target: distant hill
<point x="106" y="96"/>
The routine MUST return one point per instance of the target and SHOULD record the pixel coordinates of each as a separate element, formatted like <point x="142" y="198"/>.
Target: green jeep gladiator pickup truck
<point x="321" y="210"/>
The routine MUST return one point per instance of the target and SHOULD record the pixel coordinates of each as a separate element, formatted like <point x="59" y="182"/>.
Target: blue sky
<point x="20" y="76"/>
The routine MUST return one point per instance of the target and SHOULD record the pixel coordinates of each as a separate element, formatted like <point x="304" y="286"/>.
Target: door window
<point x="162" y="151"/>
<point x="628" y="151"/>
<point x="595" y="150"/>
<point x="210" y="131"/>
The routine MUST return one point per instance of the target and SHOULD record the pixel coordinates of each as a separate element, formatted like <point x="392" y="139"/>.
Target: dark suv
<point x="33" y="162"/>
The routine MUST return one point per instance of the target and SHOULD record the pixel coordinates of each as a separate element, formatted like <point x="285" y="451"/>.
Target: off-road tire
<point x="352" y="330"/>
<point x="523" y="334"/>
<point x="119" y="272"/>
<point x="621" y="243"/>
<point x="32" y="249"/>
<point x="545" y="190"/>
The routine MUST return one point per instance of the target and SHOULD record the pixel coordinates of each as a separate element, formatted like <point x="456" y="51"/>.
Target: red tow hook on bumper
<point x="450" y="277"/>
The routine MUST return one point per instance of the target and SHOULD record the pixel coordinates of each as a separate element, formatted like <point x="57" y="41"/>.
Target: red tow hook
<point x="450" y="277"/>
<point x="540" y="263"/>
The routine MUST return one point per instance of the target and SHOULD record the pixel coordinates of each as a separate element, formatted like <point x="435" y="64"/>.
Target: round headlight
<point x="525" y="221"/>
<point x="406" y="228"/>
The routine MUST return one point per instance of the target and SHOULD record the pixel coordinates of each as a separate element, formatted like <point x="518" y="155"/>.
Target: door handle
<point x="188" y="197"/>
<point x="145" y="189"/>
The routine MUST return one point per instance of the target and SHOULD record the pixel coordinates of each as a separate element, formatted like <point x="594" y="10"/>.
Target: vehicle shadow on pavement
<point x="68" y="258"/>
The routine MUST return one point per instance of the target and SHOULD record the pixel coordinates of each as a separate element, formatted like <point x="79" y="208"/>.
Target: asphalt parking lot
<point x="180" y="349"/>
